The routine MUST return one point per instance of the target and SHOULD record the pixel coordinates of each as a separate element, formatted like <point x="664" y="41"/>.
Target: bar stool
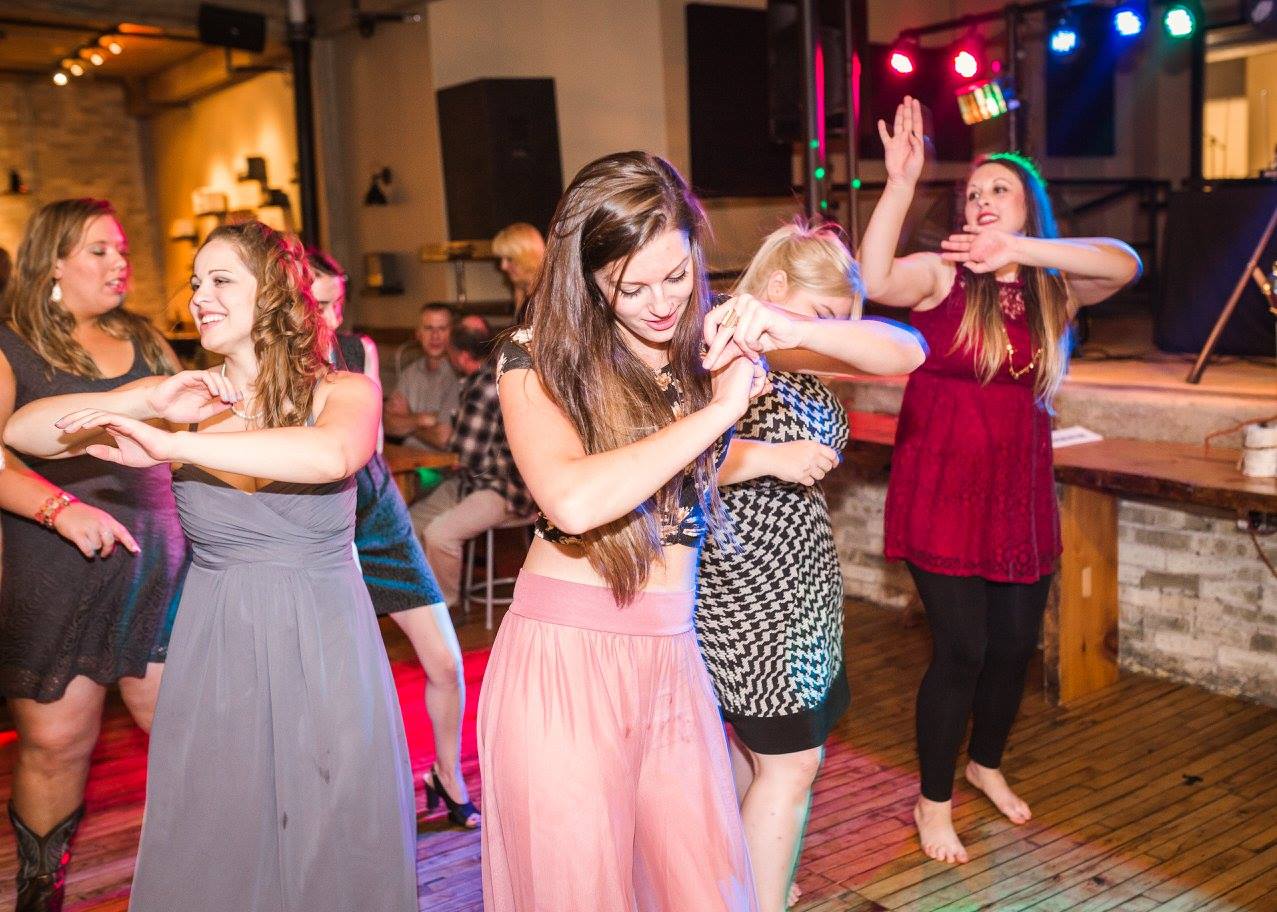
<point x="471" y="590"/>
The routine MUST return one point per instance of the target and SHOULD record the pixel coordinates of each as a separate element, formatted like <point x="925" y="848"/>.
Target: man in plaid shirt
<point x="485" y="491"/>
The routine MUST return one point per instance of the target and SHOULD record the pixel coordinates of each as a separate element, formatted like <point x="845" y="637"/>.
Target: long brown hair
<point x="1046" y="295"/>
<point x="47" y="326"/>
<point x="289" y="337"/>
<point x="615" y="206"/>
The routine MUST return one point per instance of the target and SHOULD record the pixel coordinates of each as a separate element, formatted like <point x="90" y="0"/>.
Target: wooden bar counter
<point x="1081" y="628"/>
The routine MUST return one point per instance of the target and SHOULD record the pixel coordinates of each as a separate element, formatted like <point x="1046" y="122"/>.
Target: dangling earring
<point x="55" y="293"/>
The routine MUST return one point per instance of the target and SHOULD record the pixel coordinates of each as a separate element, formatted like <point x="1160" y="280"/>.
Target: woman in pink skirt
<point x="606" y="780"/>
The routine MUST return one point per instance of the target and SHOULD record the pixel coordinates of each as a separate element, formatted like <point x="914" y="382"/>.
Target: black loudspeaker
<point x="1210" y="235"/>
<point x="785" y="68"/>
<point x="881" y="88"/>
<point x="501" y="163"/>
<point x="232" y="28"/>
<point x="732" y="154"/>
<point x="1079" y="88"/>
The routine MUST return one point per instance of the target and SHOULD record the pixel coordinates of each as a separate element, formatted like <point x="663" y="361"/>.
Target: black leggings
<point x="983" y="636"/>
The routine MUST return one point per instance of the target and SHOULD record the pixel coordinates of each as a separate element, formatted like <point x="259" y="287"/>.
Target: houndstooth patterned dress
<point x="769" y="614"/>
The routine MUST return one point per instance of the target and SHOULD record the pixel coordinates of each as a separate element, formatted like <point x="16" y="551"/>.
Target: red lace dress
<point x="972" y="490"/>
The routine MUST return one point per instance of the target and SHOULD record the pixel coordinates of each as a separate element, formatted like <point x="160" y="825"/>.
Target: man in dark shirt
<point x="485" y="491"/>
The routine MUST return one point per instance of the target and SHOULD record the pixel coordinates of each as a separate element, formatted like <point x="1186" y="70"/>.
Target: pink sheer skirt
<point x="606" y="784"/>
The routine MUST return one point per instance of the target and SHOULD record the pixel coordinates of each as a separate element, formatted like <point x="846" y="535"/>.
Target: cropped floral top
<point x="684" y="524"/>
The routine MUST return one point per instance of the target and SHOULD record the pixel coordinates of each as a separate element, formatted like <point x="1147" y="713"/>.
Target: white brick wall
<point x="1199" y="607"/>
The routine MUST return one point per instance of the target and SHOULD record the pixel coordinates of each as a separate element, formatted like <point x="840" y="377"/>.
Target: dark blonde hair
<point x="289" y="337"/>
<point x="522" y="243"/>
<point x="613" y="208"/>
<point x="1046" y="295"/>
<point x="814" y="256"/>
<point x="46" y="325"/>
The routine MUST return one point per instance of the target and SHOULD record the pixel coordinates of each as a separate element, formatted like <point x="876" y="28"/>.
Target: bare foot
<point x="994" y="785"/>
<point x="795" y="894"/>
<point x="936" y="833"/>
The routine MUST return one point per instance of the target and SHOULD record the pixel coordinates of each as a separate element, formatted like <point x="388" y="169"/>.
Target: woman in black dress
<point x="394" y="566"/>
<point x="92" y="551"/>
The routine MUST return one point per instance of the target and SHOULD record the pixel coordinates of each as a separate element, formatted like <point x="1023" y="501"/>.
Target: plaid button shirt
<point x="478" y="439"/>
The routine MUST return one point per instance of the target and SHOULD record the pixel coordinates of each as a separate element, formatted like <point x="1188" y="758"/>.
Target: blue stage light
<point x="1063" y="39"/>
<point x="1128" y="22"/>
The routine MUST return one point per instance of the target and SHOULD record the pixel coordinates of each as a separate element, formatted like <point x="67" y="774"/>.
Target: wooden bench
<point x="1080" y="632"/>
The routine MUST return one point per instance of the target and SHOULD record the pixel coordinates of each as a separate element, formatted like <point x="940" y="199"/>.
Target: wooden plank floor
<point x="1147" y="796"/>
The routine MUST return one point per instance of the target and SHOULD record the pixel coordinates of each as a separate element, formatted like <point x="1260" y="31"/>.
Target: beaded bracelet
<point x="48" y="512"/>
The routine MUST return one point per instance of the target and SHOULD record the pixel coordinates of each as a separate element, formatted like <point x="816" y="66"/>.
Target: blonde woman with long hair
<point x="606" y="779"/>
<point x="971" y="504"/>
<point x="520" y="250"/>
<point x="769" y="610"/>
<point x="278" y="774"/>
<point x="92" y="552"/>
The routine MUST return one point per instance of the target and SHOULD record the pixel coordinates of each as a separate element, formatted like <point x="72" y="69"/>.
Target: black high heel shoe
<point x="458" y="813"/>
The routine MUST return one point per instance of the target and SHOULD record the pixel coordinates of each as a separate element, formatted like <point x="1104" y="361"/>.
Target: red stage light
<point x="965" y="64"/>
<point x="901" y="62"/>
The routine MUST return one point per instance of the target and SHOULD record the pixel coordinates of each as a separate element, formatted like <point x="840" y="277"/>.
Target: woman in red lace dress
<point x="971" y="503"/>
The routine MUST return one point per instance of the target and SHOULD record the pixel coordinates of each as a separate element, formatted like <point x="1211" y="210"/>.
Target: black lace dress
<point x="62" y="615"/>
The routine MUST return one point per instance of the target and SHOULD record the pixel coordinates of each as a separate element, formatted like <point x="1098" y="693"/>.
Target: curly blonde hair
<point x="289" y="337"/>
<point x="46" y="325"/>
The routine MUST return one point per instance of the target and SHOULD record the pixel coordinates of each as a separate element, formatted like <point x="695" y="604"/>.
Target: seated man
<point x="485" y="490"/>
<point x="421" y="407"/>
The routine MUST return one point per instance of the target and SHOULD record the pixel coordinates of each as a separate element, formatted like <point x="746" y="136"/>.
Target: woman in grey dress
<point x="279" y="776"/>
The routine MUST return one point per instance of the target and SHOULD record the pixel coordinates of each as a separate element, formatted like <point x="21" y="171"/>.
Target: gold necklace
<point x="236" y="412"/>
<point x="1017" y="374"/>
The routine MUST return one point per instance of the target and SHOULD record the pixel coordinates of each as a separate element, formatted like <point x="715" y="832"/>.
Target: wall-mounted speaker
<point x="232" y="28"/>
<point x="501" y="163"/>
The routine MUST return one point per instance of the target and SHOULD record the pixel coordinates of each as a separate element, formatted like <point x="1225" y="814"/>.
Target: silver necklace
<point x="236" y="412"/>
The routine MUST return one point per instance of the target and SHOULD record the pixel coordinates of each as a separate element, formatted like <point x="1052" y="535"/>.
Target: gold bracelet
<point x="48" y="512"/>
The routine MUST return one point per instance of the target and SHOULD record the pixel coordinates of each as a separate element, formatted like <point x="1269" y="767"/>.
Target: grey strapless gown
<point x="278" y="774"/>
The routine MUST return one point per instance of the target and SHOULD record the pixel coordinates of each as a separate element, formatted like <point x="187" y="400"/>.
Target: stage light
<point x="112" y="45"/>
<point x="819" y="173"/>
<point x="855" y="185"/>
<point x="60" y="78"/>
<point x="904" y="55"/>
<point x="1064" y="38"/>
<point x="1179" y="21"/>
<point x="1128" y="21"/>
<point x="76" y="68"/>
<point x="901" y="62"/>
<point x="965" y="64"/>
<point x="95" y="58"/>
<point x="985" y="101"/>
<point x="966" y="55"/>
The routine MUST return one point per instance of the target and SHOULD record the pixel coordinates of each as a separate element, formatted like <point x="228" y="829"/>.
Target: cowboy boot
<point x="42" y="862"/>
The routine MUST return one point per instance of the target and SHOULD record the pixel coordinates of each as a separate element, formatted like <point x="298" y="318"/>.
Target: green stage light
<point x="855" y="183"/>
<point x="1179" y="21"/>
<point x="819" y="174"/>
